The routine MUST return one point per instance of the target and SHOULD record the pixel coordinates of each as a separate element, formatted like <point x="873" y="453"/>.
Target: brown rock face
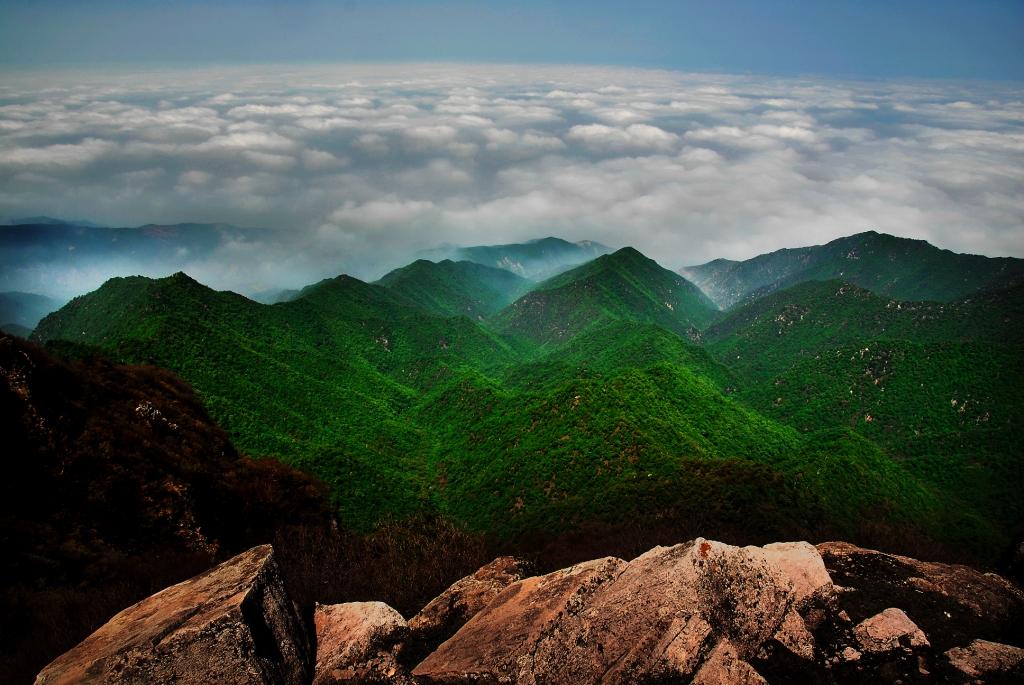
<point x="982" y="659"/>
<point x="232" y="624"/>
<point x="802" y="563"/>
<point x="498" y="641"/>
<point x="889" y="630"/>
<point x="794" y="636"/>
<point x="357" y="643"/>
<point x="724" y="667"/>
<point x="657" y="617"/>
<point x="450" y="610"/>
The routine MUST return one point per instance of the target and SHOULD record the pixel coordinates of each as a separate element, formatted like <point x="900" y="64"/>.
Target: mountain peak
<point x="628" y="252"/>
<point x="625" y="285"/>
<point x="455" y="288"/>
<point x="888" y="265"/>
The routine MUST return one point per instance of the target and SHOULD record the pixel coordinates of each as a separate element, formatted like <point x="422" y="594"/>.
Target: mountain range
<point x="536" y="259"/>
<point x="611" y="389"/>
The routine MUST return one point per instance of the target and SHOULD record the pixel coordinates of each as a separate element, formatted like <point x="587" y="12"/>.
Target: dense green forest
<point x="894" y="267"/>
<point x="612" y="392"/>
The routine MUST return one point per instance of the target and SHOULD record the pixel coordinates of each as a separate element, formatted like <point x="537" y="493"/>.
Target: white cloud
<point x="370" y="163"/>
<point x="380" y="212"/>
<point x="635" y="137"/>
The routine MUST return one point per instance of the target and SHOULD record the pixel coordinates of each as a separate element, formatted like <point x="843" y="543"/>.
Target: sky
<point x="876" y="38"/>
<point x="372" y="131"/>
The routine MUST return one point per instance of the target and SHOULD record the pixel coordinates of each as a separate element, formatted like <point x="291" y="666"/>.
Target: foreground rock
<point x="450" y="610"/>
<point x="988" y="660"/>
<point x="358" y="642"/>
<point x="609" y="621"/>
<point x="888" y="631"/>
<point x="232" y="624"/>
<point x="701" y="612"/>
<point x="976" y="601"/>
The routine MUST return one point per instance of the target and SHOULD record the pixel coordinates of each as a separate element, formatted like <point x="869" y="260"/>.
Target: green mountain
<point x="534" y="259"/>
<point x="889" y="266"/>
<point x="20" y="312"/>
<point x="334" y="370"/>
<point x="935" y="384"/>
<point x="450" y="288"/>
<point x="623" y="286"/>
<point x="593" y="403"/>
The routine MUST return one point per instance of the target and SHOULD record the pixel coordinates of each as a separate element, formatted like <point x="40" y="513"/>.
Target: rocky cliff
<point x="700" y="612"/>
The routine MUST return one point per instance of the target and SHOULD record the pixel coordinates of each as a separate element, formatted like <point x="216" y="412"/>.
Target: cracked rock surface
<point x="232" y="624"/>
<point x="698" y="612"/>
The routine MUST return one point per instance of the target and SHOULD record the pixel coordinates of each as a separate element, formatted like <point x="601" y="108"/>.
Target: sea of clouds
<point x="366" y="165"/>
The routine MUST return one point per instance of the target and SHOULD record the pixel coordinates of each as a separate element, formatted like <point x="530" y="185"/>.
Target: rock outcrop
<point x="450" y="610"/>
<point x="233" y="624"/>
<point x="609" y="621"/>
<point x="701" y="612"/>
<point x="983" y="659"/>
<point x="358" y="642"/>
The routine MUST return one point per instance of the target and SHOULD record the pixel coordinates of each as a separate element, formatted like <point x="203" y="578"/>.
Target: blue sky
<point x="976" y="39"/>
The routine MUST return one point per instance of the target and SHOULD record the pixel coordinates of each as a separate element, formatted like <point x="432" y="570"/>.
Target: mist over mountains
<point x="363" y="167"/>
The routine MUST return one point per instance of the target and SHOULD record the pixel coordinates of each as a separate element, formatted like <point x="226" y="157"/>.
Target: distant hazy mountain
<point x="20" y="312"/>
<point x="53" y="256"/>
<point x="56" y="240"/>
<point x="274" y="295"/>
<point x="623" y="286"/>
<point x="895" y="267"/>
<point x="52" y="221"/>
<point x="456" y="288"/>
<point x="534" y="259"/>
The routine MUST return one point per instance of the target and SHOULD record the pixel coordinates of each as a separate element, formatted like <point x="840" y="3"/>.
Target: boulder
<point x="358" y="642"/>
<point x="450" y="610"/>
<point x="233" y="624"/>
<point x="982" y="659"/>
<point x="794" y="636"/>
<point x="802" y="563"/>
<point x="724" y="667"/>
<point x="498" y="641"/>
<point x="657" y="617"/>
<point x="887" y="631"/>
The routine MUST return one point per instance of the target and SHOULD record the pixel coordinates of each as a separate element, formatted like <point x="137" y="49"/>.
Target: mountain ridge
<point x="451" y="288"/>
<point x="607" y="392"/>
<point x="902" y="268"/>
<point x="535" y="259"/>
<point x="624" y="285"/>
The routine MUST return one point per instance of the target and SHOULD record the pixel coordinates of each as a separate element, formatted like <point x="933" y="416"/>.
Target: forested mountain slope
<point x="594" y="399"/>
<point x="450" y="288"/>
<point x="623" y="286"/>
<point x="887" y="265"/>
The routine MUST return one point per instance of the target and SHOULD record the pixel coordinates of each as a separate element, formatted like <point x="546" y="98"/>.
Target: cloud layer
<point x="368" y="164"/>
